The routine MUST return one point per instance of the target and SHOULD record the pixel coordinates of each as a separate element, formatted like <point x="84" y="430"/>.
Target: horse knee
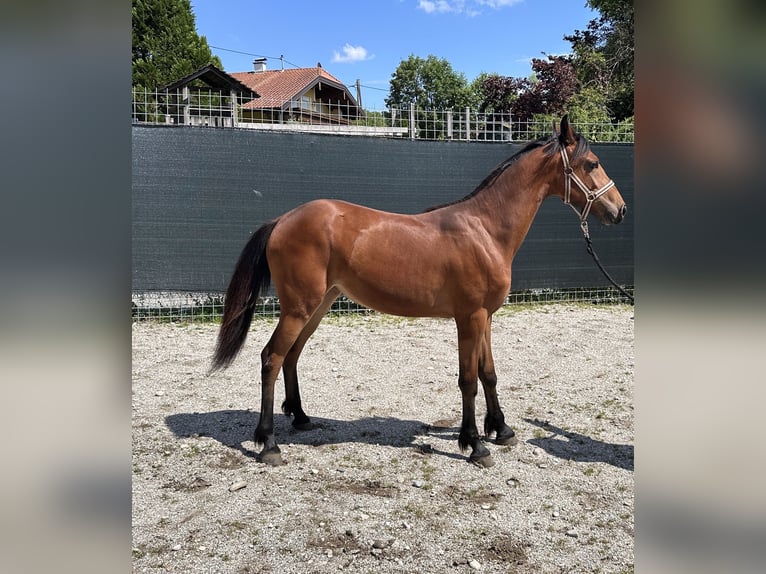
<point x="468" y="386"/>
<point x="489" y="379"/>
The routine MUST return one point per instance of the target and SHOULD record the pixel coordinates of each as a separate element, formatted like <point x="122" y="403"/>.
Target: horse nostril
<point x="623" y="210"/>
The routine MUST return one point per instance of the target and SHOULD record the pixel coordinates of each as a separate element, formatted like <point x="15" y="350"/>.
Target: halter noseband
<point x="590" y="195"/>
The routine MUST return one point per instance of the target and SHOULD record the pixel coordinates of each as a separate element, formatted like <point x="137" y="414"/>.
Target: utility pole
<point x="358" y="94"/>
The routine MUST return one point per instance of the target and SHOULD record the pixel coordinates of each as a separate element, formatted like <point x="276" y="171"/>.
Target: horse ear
<point x="566" y="135"/>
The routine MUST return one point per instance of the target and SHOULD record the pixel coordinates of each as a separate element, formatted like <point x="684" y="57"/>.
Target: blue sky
<point x="367" y="39"/>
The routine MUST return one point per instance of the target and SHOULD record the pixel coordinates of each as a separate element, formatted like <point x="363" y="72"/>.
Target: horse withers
<point x="451" y="261"/>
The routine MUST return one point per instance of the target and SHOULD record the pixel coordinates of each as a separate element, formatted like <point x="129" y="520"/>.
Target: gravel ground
<point x="381" y="485"/>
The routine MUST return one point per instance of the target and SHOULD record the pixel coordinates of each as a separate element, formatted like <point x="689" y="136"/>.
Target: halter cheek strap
<point x="590" y="195"/>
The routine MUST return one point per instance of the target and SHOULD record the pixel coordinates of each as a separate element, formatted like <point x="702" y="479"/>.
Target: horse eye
<point x="592" y="165"/>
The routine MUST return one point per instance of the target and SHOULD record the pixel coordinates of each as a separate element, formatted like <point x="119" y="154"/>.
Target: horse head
<point x="586" y="186"/>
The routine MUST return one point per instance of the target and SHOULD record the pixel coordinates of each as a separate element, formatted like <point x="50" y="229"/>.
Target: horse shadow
<point x="234" y="429"/>
<point x="581" y="448"/>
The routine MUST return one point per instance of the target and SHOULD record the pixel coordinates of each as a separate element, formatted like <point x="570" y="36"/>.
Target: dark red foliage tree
<point x="556" y="82"/>
<point x="498" y="93"/>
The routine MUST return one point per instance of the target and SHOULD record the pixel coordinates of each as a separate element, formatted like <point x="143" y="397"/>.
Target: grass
<point x="236" y="525"/>
<point x="192" y="451"/>
<point x="427" y="470"/>
<point x="414" y="509"/>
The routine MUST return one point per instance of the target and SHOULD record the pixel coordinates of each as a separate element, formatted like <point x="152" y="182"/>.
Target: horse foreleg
<point x="494" y="421"/>
<point x="470" y="333"/>
<point x="292" y="404"/>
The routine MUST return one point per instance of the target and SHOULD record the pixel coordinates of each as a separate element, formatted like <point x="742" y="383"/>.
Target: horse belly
<point x="404" y="301"/>
<point x="397" y="282"/>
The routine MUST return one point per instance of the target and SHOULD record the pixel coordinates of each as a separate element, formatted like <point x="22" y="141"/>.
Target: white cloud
<point x="468" y="7"/>
<point x="351" y="54"/>
<point x="496" y="4"/>
<point x="440" y="6"/>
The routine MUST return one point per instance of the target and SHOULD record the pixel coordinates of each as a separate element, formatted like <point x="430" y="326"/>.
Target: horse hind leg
<point x="273" y="356"/>
<point x="494" y="420"/>
<point x="292" y="405"/>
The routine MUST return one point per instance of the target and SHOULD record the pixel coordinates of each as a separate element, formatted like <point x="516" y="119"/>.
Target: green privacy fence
<point x="198" y="193"/>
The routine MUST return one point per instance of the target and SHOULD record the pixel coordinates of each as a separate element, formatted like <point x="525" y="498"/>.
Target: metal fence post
<point x="467" y="124"/>
<point x="412" y="120"/>
<point x="186" y="103"/>
<point x="234" y="119"/>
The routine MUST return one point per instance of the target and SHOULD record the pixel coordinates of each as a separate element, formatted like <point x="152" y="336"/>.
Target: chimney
<point x="259" y="64"/>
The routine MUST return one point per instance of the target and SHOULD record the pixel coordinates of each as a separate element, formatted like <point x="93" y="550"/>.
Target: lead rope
<point x="589" y="248"/>
<point x="590" y="197"/>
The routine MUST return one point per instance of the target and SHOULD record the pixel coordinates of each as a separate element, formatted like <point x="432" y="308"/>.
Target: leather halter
<point x="590" y="195"/>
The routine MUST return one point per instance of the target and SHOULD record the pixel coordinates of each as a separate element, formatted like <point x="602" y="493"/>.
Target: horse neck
<point x="509" y="204"/>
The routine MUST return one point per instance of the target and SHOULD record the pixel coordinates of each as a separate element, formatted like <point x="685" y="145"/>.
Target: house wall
<point x="198" y="194"/>
<point x="318" y="103"/>
<point x="261" y="116"/>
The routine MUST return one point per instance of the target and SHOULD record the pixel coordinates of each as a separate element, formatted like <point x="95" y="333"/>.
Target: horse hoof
<point x="482" y="461"/>
<point x="507" y="440"/>
<point x="272" y="458"/>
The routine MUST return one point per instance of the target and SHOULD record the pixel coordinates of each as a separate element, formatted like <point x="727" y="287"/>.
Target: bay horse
<point x="451" y="261"/>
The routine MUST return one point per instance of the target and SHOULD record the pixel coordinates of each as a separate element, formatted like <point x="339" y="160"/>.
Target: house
<point x="297" y="95"/>
<point x="206" y="97"/>
<point x="296" y="99"/>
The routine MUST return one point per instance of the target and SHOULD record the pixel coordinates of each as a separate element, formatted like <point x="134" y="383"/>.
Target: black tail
<point x="251" y="277"/>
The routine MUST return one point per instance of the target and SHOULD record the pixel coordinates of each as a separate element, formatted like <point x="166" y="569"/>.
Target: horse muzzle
<point x="613" y="216"/>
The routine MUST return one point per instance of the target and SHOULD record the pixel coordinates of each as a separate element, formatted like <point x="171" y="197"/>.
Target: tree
<point x="429" y="83"/>
<point x="556" y="83"/>
<point x="497" y="93"/>
<point x="552" y="84"/>
<point x="603" y="55"/>
<point x="166" y="45"/>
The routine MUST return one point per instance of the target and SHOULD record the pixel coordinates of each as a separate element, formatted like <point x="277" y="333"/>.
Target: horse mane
<point x="551" y="145"/>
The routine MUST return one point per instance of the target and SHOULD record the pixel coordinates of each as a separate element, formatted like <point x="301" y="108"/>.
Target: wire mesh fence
<point x="167" y="306"/>
<point x="210" y="108"/>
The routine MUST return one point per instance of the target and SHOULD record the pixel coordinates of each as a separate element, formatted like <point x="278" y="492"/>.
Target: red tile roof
<point x="277" y="87"/>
